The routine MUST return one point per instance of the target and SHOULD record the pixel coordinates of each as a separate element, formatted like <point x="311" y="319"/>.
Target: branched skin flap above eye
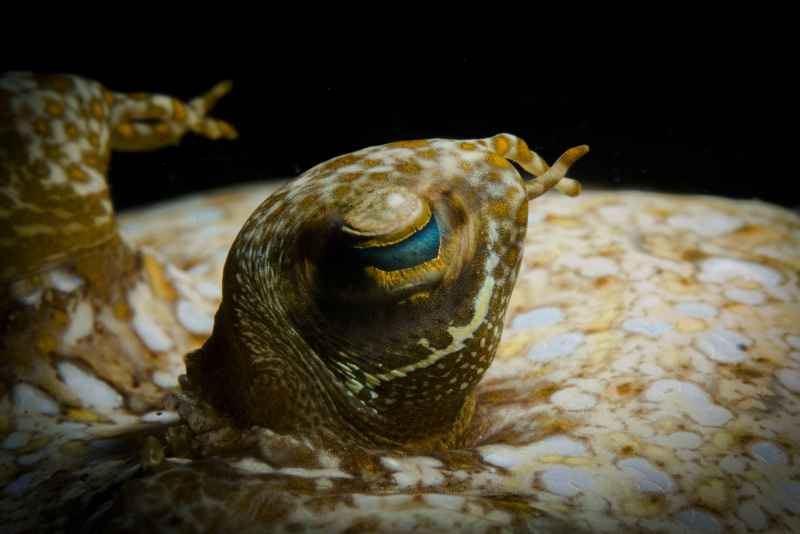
<point x="363" y="302"/>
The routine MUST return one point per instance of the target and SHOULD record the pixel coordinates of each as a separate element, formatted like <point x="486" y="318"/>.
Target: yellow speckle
<point x="125" y="130"/>
<point x="60" y="318"/>
<point x="34" y="445"/>
<point x="564" y="221"/>
<point x="501" y="145"/>
<point x="689" y="325"/>
<point x="97" y="110"/>
<point x="74" y="447"/>
<point x="158" y="281"/>
<point x="54" y="108"/>
<point x="46" y="344"/>
<point x="162" y="129"/>
<point x="94" y="139"/>
<point x="41" y="127"/>
<point x="467" y="146"/>
<point x="84" y="415"/>
<point x="121" y="310"/>
<point x="723" y="440"/>
<point x="713" y="494"/>
<point x="410" y="144"/>
<point x="499" y="161"/>
<point x="75" y="172"/>
<point x="498" y="209"/>
<point x="645" y="505"/>
<point x="524" y="153"/>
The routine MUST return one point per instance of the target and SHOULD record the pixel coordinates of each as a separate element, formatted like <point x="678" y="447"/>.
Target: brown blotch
<point x="409" y="167"/>
<point x="499" y="209"/>
<point x="378" y="176"/>
<point x="54" y="108"/>
<point x="521" y="217"/>
<point x="92" y="137"/>
<point x="97" y="109"/>
<point x="41" y="127"/>
<point x="350" y="176"/>
<point x="340" y="162"/>
<point x="58" y="83"/>
<point x="409" y="144"/>
<point x="340" y="192"/>
<point x="627" y="389"/>
<point x="693" y="255"/>
<point x="744" y="373"/>
<point x="162" y="129"/>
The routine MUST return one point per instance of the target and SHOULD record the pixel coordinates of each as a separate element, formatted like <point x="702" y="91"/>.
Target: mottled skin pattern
<point x="648" y="378"/>
<point x="65" y="269"/>
<point x="56" y="136"/>
<point x="313" y="339"/>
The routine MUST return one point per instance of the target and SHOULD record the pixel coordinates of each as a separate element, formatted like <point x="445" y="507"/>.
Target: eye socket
<point x="416" y="249"/>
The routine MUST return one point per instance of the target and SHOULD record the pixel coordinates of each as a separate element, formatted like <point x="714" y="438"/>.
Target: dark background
<point x="710" y="120"/>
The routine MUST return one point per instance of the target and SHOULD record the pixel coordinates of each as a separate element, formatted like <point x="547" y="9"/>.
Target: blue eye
<point x="418" y="248"/>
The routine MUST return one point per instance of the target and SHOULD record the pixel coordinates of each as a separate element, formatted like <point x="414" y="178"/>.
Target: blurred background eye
<point x="414" y="250"/>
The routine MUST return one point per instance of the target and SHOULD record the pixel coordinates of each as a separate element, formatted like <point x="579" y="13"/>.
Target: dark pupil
<point x="416" y="249"/>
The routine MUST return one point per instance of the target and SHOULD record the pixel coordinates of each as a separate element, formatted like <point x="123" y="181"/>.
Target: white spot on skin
<point x="209" y="290"/>
<point x="566" y="481"/>
<point x="723" y="345"/>
<point x="150" y="333"/>
<point x="165" y="380"/>
<point x="690" y="399"/>
<point x="697" y="519"/>
<point x="16" y="440"/>
<point x="28" y="399"/>
<point x="556" y="347"/>
<point x="161" y="416"/>
<point x="34" y="298"/>
<point x="769" y="453"/>
<point x="195" y="320"/>
<point x="750" y="512"/>
<point x="735" y="465"/>
<point x="649" y="479"/>
<point x="708" y="224"/>
<point x="64" y="281"/>
<point x="698" y="310"/>
<point x="414" y="470"/>
<point x="790" y="495"/>
<point x="20" y="485"/>
<point x="598" y="266"/>
<point x="508" y="456"/>
<point x="750" y="297"/>
<point x="678" y="440"/>
<point x="450" y="502"/>
<point x="646" y="327"/>
<point x="81" y="324"/>
<point x="720" y="270"/>
<point x="92" y="392"/>
<point x="537" y="318"/>
<point x="790" y="379"/>
<point x="573" y="399"/>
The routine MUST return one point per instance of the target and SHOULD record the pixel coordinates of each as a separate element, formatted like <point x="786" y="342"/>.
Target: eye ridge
<point x="416" y="249"/>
